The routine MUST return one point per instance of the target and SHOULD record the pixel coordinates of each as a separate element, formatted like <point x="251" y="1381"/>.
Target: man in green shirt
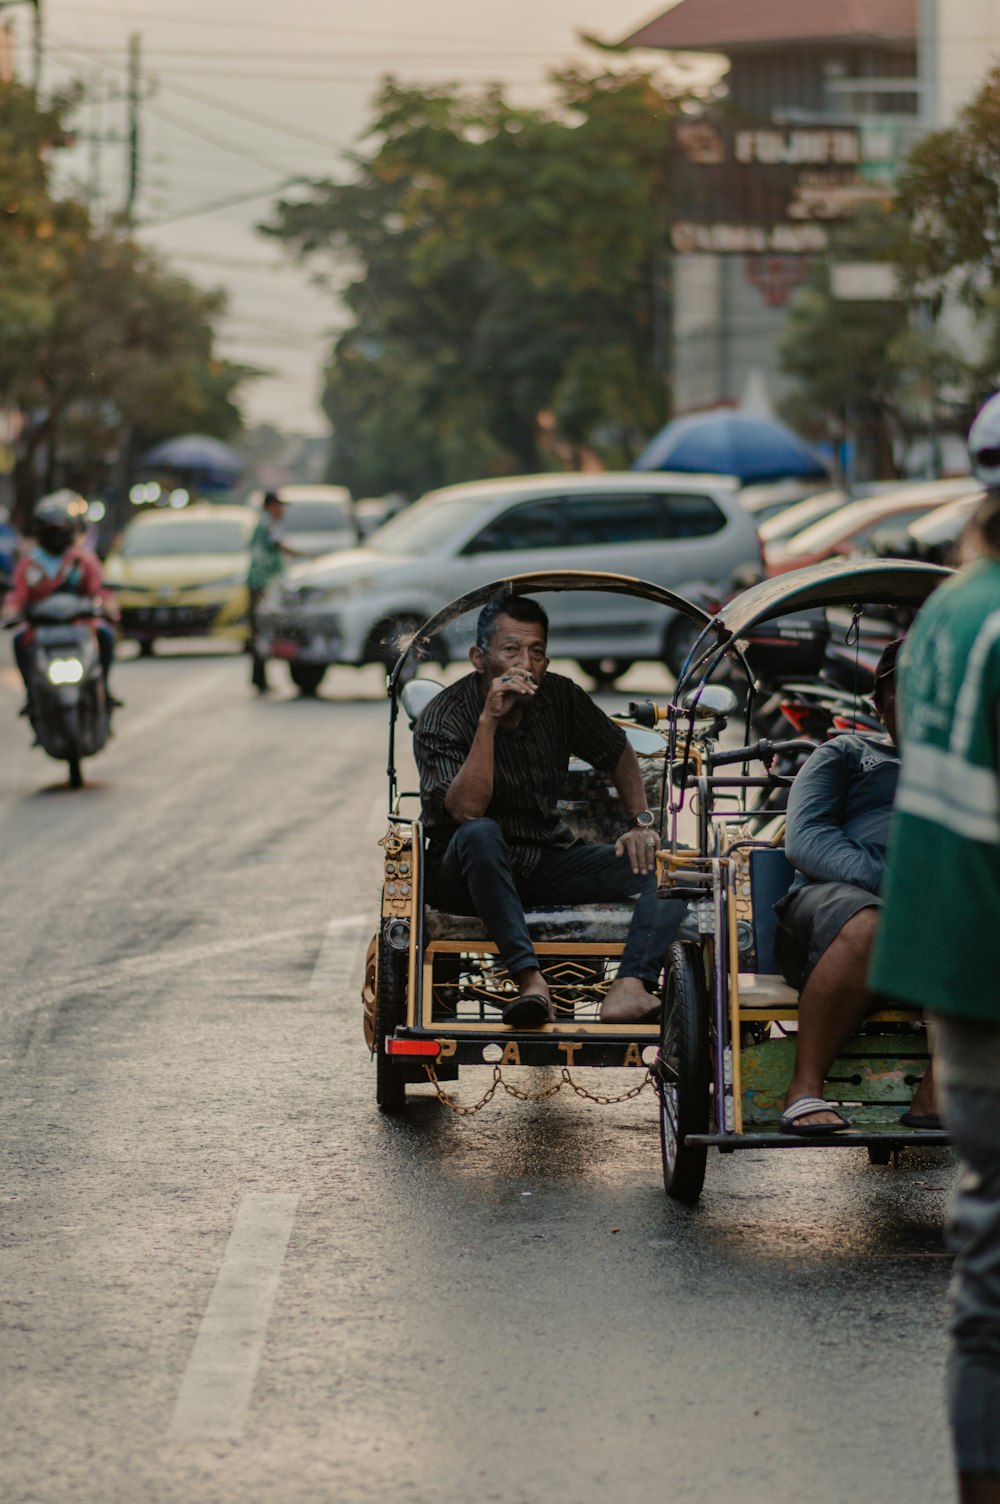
<point x="938" y="943"/>
<point x="267" y="562"/>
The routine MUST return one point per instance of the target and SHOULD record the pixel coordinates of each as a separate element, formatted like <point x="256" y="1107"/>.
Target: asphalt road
<point x="225" y="1278"/>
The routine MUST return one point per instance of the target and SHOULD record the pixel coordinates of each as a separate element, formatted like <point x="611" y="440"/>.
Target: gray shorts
<point x="809" y="920"/>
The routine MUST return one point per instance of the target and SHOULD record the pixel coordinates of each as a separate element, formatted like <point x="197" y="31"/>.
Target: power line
<point x="222" y="203"/>
<point x="212" y="139"/>
<point x="381" y="56"/>
<point x="326" y="31"/>
<point x="256" y="119"/>
<point x="253" y="116"/>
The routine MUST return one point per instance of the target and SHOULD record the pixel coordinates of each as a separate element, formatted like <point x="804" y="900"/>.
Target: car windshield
<point x="315" y="517"/>
<point x="159" y="540"/>
<point x="428" y="524"/>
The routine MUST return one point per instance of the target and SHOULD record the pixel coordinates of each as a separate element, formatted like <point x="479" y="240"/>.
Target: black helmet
<point x="58" y="520"/>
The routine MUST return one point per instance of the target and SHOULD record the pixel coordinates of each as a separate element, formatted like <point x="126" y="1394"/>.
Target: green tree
<point x="949" y="196"/>
<point x="503" y="263"/>
<point x="103" y="348"/>
<point x="842" y="355"/>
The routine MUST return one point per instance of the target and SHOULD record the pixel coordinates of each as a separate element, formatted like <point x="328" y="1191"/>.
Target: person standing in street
<point x="938" y="943"/>
<point x="267" y="562"/>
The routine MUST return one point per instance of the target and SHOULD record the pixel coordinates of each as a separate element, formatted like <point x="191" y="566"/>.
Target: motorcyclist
<point x="58" y="562"/>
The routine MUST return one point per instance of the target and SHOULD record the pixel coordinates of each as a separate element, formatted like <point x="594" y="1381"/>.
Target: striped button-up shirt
<point x="530" y="762"/>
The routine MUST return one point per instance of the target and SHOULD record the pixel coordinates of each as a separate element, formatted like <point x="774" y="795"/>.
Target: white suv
<point x="673" y="529"/>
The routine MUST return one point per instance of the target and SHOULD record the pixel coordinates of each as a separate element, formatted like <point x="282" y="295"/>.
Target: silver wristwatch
<point x="644" y="820"/>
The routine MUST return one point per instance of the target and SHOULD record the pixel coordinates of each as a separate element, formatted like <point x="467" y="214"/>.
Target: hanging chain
<point x="565" y="1079"/>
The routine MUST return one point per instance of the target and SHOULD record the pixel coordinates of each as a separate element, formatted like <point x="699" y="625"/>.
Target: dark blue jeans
<point x="476" y="877"/>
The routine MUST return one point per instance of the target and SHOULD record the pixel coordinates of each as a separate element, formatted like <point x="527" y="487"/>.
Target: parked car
<point x="357" y="607"/>
<point x="803" y="514"/>
<point x="183" y="573"/>
<point x="371" y="512"/>
<point x="933" y="538"/>
<point x="317" y="520"/>
<point x="846" y="530"/>
<point x="766" y="501"/>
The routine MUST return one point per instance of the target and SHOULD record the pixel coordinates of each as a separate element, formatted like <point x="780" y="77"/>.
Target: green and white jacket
<point x="938" y="942"/>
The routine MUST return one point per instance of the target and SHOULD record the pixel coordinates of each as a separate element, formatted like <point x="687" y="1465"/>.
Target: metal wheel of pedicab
<point x="684" y="1073"/>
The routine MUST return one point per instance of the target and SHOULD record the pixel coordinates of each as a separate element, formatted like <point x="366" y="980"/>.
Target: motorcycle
<point x="69" y="709"/>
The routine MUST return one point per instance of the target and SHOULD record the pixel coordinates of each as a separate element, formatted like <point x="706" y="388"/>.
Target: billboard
<point x="748" y="189"/>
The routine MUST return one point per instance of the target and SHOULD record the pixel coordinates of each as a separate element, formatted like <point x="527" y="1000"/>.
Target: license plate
<point x="281" y="647"/>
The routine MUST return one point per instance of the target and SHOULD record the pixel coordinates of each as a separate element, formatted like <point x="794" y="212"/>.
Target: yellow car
<point x="183" y="573"/>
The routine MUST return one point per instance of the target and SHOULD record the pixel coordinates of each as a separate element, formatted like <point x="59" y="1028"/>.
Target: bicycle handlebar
<point x="762" y="751"/>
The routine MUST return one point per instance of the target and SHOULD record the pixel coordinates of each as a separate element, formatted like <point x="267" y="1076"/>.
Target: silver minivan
<point x="673" y="529"/>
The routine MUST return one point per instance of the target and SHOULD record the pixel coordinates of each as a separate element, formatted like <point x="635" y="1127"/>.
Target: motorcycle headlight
<point x="64" y="671"/>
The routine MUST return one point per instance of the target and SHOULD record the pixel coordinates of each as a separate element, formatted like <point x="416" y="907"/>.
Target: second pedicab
<point x="729" y="1022"/>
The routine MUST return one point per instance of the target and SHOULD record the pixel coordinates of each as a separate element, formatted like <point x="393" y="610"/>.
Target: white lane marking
<point x="341" y="954"/>
<point x="218" y="1382"/>
<point x="169" y="707"/>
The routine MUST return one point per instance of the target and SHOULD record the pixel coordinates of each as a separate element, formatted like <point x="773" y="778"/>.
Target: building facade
<point x="800" y="77"/>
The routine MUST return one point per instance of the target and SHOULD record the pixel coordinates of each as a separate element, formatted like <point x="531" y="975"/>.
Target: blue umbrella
<point x="204" y="459"/>
<point x="730" y="443"/>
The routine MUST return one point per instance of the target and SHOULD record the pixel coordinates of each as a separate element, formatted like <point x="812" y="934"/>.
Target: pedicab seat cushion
<point x="603" y="923"/>
<point x="760" y="989"/>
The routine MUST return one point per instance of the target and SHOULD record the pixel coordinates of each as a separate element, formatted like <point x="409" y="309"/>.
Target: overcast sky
<point x="241" y="94"/>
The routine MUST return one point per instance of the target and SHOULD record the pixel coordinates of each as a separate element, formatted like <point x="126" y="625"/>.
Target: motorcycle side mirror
<point x="713" y="703"/>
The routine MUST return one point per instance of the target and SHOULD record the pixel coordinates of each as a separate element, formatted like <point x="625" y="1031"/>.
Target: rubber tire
<point x="390" y="1010"/>
<point x="307" y="677"/>
<point x="686" y="1102"/>
<point x="605" y="672"/>
<point x="879" y="1154"/>
<point x="146" y="645"/>
<point x="73" y="759"/>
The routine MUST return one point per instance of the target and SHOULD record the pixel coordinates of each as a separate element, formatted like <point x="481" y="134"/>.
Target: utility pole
<point x="927" y="63"/>
<point x="96" y="114"/>
<point x="132" y="134"/>
<point x="36" y="5"/>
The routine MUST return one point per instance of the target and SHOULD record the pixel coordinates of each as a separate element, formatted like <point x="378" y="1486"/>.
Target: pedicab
<point x="729" y="1019"/>
<point x="434" y="986"/>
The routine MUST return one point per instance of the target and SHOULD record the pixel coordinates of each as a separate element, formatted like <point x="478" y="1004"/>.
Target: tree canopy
<point x="949" y="195"/>
<point x="102" y="346"/>
<point x="505" y="278"/>
<point x="894" y="371"/>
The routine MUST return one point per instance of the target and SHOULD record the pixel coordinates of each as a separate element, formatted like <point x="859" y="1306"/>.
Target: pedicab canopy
<point x="551" y="582"/>
<point x="835" y="582"/>
<point x="525" y="584"/>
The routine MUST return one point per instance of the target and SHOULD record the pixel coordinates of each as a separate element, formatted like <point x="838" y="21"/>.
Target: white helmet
<point x="984" y="444"/>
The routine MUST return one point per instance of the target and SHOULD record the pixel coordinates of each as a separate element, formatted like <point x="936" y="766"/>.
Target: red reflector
<point x="412" y="1047"/>
<point x="795" y="712"/>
